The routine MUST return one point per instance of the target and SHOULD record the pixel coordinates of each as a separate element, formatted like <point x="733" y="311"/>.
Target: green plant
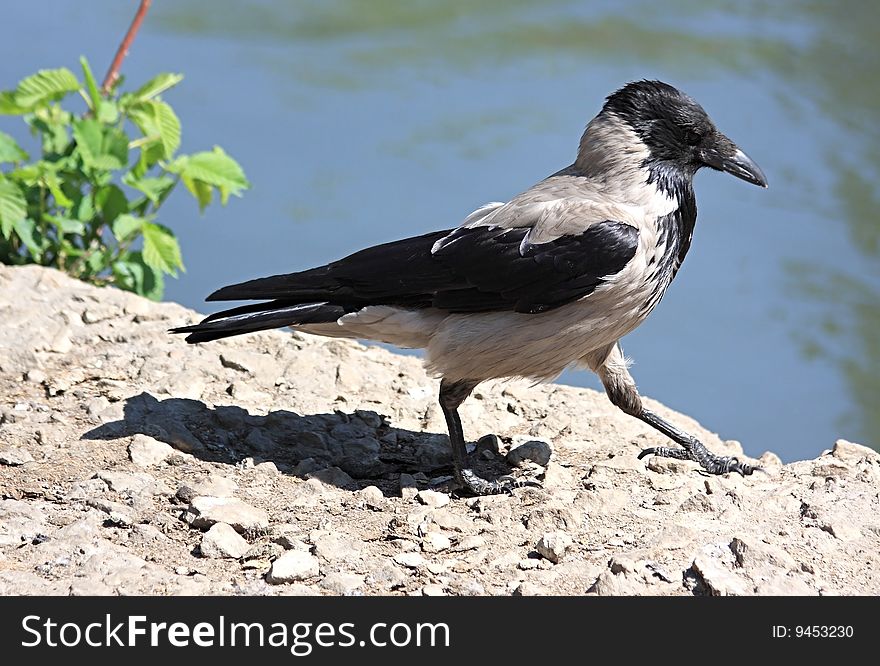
<point x="88" y="204"/>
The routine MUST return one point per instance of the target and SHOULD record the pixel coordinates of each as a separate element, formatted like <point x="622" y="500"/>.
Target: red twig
<point x="122" y="51"/>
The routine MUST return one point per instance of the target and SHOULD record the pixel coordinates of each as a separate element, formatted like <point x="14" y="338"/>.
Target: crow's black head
<point x="678" y="133"/>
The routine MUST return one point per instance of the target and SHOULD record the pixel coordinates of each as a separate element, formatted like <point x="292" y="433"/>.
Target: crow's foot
<point x="477" y="485"/>
<point x="696" y="451"/>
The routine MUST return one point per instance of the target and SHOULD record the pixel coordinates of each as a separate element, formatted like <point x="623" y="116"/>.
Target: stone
<point x="15" y="456"/>
<point x="332" y="476"/>
<point x="432" y="498"/>
<point x="258" y="440"/>
<point x="212" y="485"/>
<point x="333" y="547"/>
<point x="222" y="541"/>
<point x="145" y="451"/>
<point x="372" y="497"/>
<point x="410" y="560"/>
<point x="433" y="590"/>
<point x="344" y="584"/>
<point x="408" y="486"/>
<point x="851" y="452"/>
<point x="528" y="589"/>
<point x="534" y="450"/>
<point x="305" y="467"/>
<point x="717" y="578"/>
<point x="35" y="376"/>
<point x="267" y="467"/>
<point x="293" y="566"/>
<point x="553" y="546"/>
<point x="126" y="482"/>
<point x="261" y="366"/>
<point x="470" y="542"/>
<point x="205" y="511"/>
<point x="752" y="554"/>
<point x="434" y="542"/>
<point x="387" y="575"/>
<point x="785" y="585"/>
<point x="118" y="514"/>
<point x="840" y="529"/>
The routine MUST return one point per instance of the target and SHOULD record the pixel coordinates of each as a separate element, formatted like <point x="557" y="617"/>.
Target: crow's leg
<point x="452" y="394"/>
<point x="611" y="367"/>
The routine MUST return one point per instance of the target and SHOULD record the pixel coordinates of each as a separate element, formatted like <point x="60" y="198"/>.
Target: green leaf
<point x="153" y="188"/>
<point x="99" y="260"/>
<point x="103" y="148"/>
<point x="91" y="84"/>
<point x="150" y="156"/>
<point x="25" y="229"/>
<point x="83" y="206"/>
<point x="53" y="184"/>
<point x="66" y="225"/>
<point x="200" y="190"/>
<point x="157" y="120"/>
<point x="125" y="226"/>
<point x="13" y="206"/>
<point x="8" y="105"/>
<point x="133" y="274"/>
<point x="214" y="168"/>
<point x="111" y="201"/>
<point x="108" y="111"/>
<point x="45" y="86"/>
<point x="161" y="249"/>
<point x="10" y="150"/>
<point x="155" y="86"/>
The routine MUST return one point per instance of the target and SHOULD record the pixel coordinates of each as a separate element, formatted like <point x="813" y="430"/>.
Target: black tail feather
<point x="259" y="317"/>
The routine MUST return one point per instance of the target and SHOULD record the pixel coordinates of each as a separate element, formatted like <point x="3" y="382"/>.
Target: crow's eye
<point x="692" y="137"/>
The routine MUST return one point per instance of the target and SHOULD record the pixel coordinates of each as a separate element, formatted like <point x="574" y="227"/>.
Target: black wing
<point x="482" y="269"/>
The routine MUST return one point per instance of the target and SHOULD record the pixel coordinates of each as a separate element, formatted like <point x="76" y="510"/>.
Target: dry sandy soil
<point x="133" y="463"/>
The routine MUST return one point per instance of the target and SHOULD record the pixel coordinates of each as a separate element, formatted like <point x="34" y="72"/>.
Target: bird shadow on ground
<point x="348" y="450"/>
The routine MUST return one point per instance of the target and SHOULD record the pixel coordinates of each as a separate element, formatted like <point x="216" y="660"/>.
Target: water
<point x="364" y="122"/>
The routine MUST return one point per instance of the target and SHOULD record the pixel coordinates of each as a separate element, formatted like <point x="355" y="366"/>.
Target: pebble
<point x="372" y="497"/>
<point x="251" y="363"/>
<point x="433" y="590"/>
<point x="411" y="560"/>
<point x="145" y="451"/>
<point x="222" y="541"/>
<point x="258" y="440"/>
<point x="553" y="546"/>
<point x="408" y="486"/>
<point x="14" y="456"/>
<point x="719" y="580"/>
<point x="332" y="476"/>
<point x="205" y="511"/>
<point x="333" y="547"/>
<point x="344" y="584"/>
<point x="528" y="589"/>
<point x="388" y="575"/>
<point x="35" y="376"/>
<point x="432" y="498"/>
<point x="118" y="514"/>
<point x="470" y="542"/>
<point x="293" y="566"/>
<point x="534" y="450"/>
<point x="434" y="542"/>
<point x="212" y="485"/>
<point x="850" y="452"/>
<point x="125" y="482"/>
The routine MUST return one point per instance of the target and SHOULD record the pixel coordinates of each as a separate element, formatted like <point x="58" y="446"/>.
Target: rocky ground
<point x="133" y="463"/>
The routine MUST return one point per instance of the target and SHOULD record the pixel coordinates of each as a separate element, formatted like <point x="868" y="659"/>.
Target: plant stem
<point x="122" y="51"/>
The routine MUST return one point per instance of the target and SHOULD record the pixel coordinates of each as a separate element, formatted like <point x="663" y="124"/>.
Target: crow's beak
<point x="725" y="156"/>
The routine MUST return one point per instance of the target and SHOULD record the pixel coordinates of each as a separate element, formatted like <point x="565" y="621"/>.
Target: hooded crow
<point x="525" y="288"/>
